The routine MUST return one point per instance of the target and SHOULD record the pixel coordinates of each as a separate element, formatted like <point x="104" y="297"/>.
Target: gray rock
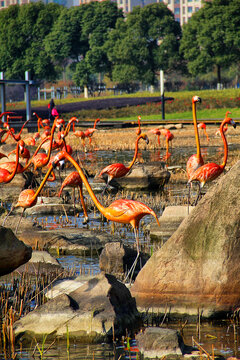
<point x="158" y="342"/>
<point x="197" y="269"/>
<point x="13" y="252"/>
<point x="89" y="313"/>
<point x="117" y="259"/>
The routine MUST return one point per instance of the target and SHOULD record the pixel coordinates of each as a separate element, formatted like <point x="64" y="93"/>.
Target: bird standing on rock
<point x="119" y="170"/>
<point x="211" y="171"/>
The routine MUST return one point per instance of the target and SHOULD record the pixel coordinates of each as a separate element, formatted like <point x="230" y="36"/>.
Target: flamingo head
<point x="196" y="99"/>
<point x="36" y="136"/>
<point x="144" y="137"/>
<point x="230" y="121"/>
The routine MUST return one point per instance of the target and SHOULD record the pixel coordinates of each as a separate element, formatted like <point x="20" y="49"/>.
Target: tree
<point x="21" y="40"/>
<point x="79" y="34"/>
<point x="211" y="38"/>
<point x="147" y="41"/>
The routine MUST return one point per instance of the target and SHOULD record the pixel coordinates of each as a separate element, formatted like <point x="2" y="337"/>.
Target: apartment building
<point x="182" y="9"/>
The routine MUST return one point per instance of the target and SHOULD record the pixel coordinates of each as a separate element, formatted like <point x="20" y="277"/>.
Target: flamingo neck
<point x="95" y="123"/>
<point x="139" y="125"/>
<point x="86" y="183"/>
<point x="135" y="153"/>
<point x="196" y="130"/>
<point x="11" y="176"/>
<point x="42" y="183"/>
<point x="23" y="127"/>
<point x="225" y="146"/>
<point x="51" y="141"/>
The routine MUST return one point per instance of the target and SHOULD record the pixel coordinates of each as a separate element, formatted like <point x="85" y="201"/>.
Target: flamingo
<point x="211" y="171"/>
<point x="123" y="211"/>
<point x="89" y="132"/>
<point x="31" y="140"/>
<point x="80" y="134"/>
<point x="138" y="131"/>
<point x="40" y="160"/>
<point x="196" y="160"/>
<point x="17" y="137"/>
<point x="25" y="153"/>
<point x="225" y="127"/>
<point x="9" y="165"/>
<point x="119" y="170"/>
<point x="28" y="198"/>
<point x="202" y="126"/>
<point x="74" y="180"/>
<point x="4" y="113"/>
<point x="169" y="137"/>
<point x="5" y="175"/>
<point x="156" y="132"/>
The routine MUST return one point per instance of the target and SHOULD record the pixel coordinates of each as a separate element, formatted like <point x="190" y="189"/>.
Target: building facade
<point x="182" y="9"/>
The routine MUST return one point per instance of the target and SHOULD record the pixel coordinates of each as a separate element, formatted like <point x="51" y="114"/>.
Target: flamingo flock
<point x="50" y="149"/>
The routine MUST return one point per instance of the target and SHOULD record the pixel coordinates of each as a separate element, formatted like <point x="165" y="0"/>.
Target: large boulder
<point x="96" y="311"/>
<point x="13" y="252"/>
<point x="197" y="269"/>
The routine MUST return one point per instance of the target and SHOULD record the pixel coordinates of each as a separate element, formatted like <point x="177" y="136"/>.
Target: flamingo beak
<point x="147" y="140"/>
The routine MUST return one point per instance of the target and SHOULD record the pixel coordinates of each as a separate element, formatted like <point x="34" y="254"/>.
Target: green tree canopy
<point x="148" y="40"/>
<point x="21" y="40"/>
<point x="79" y="35"/>
<point x="211" y="38"/>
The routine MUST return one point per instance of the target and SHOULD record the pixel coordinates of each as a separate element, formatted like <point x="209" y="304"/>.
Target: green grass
<point x="206" y="114"/>
<point x="214" y="105"/>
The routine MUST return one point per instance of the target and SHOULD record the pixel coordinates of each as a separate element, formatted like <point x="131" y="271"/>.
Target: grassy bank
<point x="214" y="106"/>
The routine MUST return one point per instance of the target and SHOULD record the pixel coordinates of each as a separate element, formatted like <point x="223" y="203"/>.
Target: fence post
<point x="3" y="94"/>
<point x="28" y="100"/>
<point x="52" y="92"/>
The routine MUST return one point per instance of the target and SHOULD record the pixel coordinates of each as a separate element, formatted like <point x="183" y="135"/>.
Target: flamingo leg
<point x="199" y="194"/>
<point x="19" y="221"/>
<point x="85" y="221"/>
<point x="132" y="269"/>
<point x="11" y="210"/>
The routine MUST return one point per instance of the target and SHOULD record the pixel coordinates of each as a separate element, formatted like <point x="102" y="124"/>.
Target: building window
<point x="183" y="9"/>
<point x="184" y="20"/>
<point x="177" y="11"/>
<point x="189" y="9"/>
<point x="197" y="8"/>
<point x="169" y="1"/>
<point x="189" y="0"/>
<point x="2" y="4"/>
<point x="177" y="1"/>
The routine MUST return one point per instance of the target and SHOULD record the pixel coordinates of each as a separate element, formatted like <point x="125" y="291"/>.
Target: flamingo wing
<point x="115" y="170"/>
<point x="206" y="173"/>
<point x="25" y="199"/>
<point x="127" y="211"/>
